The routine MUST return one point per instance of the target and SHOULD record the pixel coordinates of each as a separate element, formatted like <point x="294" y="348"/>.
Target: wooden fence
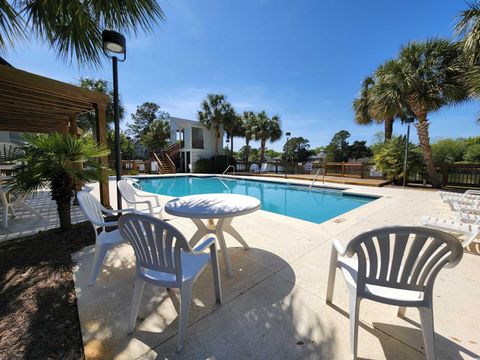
<point x="453" y="175"/>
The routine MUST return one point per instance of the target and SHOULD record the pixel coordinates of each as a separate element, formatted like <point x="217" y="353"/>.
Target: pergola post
<point x="101" y="127"/>
<point x="72" y="119"/>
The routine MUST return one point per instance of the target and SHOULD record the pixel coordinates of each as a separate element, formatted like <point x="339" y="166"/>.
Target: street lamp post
<point x="287" y="134"/>
<point x="228" y="158"/>
<point x="115" y="43"/>
<point x="408" y="121"/>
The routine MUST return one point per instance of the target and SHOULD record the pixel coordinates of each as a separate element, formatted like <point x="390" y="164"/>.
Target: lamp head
<point x="114" y="42"/>
<point x="409" y="120"/>
<point x="287" y="134"/>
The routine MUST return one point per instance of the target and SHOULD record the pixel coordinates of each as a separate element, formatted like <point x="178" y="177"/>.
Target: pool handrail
<point x="228" y="167"/>
<point x="315" y="177"/>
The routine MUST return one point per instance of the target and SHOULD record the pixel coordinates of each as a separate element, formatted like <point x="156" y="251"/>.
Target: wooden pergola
<point x="33" y="103"/>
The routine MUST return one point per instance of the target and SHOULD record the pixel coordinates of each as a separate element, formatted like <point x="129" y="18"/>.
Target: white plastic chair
<point x="254" y="168"/>
<point x="263" y="168"/>
<point x="104" y="241"/>
<point x="394" y="265"/>
<point x="164" y="258"/>
<point x="131" y="196"/>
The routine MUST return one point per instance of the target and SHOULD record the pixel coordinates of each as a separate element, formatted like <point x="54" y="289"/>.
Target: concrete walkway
<point x="274" y="306"/>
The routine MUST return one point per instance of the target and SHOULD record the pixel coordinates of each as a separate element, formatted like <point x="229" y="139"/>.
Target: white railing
<point x="315" y="177"/>
<point x="228" y="167"/>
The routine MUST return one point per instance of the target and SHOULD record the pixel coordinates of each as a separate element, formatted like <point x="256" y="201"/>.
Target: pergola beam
<point x="33" y="103"/>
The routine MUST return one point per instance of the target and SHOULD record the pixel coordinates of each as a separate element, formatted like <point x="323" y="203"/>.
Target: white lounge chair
<point x="254" y="168"/>
<point x="94" y="211"/>
<point x="308" y="166"/>
<point x="263" y="168"/>
<point x="394" y="265"/>
<point x="165" y="258"/>
<point x="134" y="198"/>
<point x="468" y="230"/>
<point x="469" y="194"/>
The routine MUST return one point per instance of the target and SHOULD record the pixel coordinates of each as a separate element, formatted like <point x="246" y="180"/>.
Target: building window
<point x="197" y="138"/>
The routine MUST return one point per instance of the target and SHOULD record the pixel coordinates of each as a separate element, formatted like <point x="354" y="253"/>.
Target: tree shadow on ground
<point x="449" y="349"/>
<point x="262" y="316"/>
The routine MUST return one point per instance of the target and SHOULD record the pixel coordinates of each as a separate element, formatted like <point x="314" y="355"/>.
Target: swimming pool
<point x="316" y="205"/>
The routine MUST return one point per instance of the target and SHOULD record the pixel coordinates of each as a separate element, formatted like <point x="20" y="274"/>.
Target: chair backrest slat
<point x="157" y="244"/>
<point x="418" y="255"/>
<point x="127" y="190"/>
<point x="91" y="207"/>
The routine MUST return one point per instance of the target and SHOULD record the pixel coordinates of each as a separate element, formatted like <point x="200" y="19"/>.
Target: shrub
<point x="222" y="162"/>
<point x="389" y="158"/>
<point x="473" y="153"/>
<point x="205" y="166"/>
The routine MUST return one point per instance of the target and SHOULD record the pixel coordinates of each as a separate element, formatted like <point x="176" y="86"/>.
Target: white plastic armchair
<point x="164" y="258"/>
<point x="394" y="265"/>
<point x="104" y="241"/>
<point x="134" y="198"/>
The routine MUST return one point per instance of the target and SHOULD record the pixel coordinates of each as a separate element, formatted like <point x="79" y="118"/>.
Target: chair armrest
<point x="117" y="211"/>
<point x="204" y="245"/>
<point x="149" y="196"/>
<point x="341" y="250"/>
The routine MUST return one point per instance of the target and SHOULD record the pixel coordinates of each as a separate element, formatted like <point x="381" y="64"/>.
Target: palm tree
<point x="468" y="31"/>
<point x="379" y="101"/>
<point x="429" y="76"/>
<point x="215" y="111"/>
<point x="56" y="161"/>
<point x="232" y="124"/>
<point x="248" y="123"/>
<point x="264" y="129"/>
<point x="73" y="28"/>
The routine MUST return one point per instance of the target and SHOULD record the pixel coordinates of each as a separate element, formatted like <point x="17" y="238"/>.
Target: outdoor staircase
<point x="164" y="158"/>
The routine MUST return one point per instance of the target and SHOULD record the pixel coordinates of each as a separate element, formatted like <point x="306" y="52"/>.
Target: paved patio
<point x="274" y="306"/>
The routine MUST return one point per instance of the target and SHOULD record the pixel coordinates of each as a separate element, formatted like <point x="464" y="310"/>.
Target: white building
<point x="197" y="142"/>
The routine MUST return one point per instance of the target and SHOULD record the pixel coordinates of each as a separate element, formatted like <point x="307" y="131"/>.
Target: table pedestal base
<point x="222" y="225"/>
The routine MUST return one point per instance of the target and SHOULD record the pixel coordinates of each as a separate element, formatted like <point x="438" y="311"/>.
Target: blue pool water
<point x="316" y="205"/>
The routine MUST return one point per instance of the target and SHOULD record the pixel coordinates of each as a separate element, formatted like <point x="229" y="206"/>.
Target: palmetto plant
<point x="428" y="75"/>
<point x="214" y="113"/>
<point x="55" y="161"/>
<point x="73" y="28"/>
<point x="266" y="128"/>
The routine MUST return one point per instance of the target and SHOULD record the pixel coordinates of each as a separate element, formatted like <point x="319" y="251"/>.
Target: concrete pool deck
<point x="274" y="306"/>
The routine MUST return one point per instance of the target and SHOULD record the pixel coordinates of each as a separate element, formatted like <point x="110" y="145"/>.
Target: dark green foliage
<point x="127" y="146"/>
<point x="144" y="116"/>
<point x="204" y="166"/>
<point x="222" y="162"/>
<point x="359" y="149"/>
<point x="297" y="149"/>
<point x="337" y="150"/>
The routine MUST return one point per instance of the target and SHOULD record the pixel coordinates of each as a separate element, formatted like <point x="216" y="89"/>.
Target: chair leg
<point x="137" y="296"/>
<point x="401" y="311"/>
<point x="354" y="310"/>
<point x="426" y="318"/>
<point x="216" y="274"/>
<point x="185" y="301"/>
<point x="331" y="274"/>
<point x="100" y="253"/>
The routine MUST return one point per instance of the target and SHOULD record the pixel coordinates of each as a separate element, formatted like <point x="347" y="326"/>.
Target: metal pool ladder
<point x="315" y="177"/>
<point x="228" y="167"/>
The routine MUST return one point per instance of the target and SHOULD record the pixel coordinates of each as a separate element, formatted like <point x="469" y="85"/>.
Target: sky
<point x="303" y="60"/>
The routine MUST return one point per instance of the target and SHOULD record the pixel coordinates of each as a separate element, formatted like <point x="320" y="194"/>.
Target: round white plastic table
<point x="222" y="207"/>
